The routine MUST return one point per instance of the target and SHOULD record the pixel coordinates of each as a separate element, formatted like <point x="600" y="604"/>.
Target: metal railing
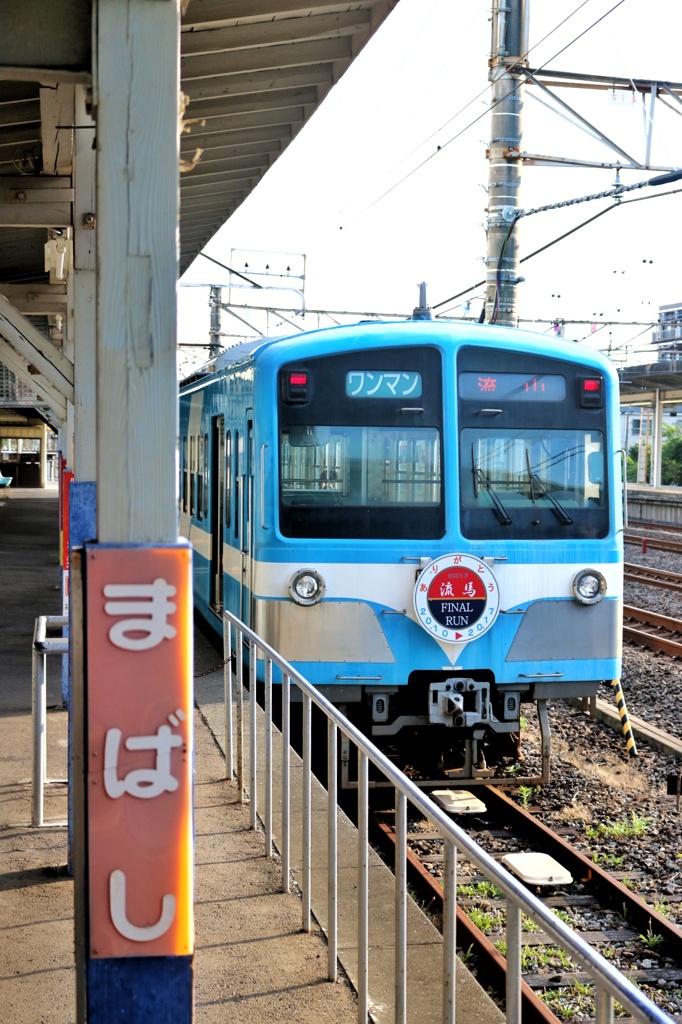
<point x="609" y="984"/>
<point x="42" y="646"/>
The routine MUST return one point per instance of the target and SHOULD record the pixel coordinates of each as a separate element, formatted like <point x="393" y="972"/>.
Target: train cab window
<point x="361" y="481"/>
<point x="533" y="483"/>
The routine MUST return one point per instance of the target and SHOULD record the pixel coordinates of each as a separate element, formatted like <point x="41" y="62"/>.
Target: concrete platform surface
<point x="252" y="961"/>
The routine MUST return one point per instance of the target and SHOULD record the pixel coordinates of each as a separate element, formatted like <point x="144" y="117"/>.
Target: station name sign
<point x="139" y="750"/>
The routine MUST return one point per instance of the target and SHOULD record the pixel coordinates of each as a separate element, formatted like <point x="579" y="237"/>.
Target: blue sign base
<point x="140" y="990"/>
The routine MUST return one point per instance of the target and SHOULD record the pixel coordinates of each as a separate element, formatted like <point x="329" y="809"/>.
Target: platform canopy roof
<point x="252" y="73"/>
<point x="639" y="385"/>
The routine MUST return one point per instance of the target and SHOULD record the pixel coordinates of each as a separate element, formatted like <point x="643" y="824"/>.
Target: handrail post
<point x="228" y="679"/>
<point x="42" y="677"/>
<point x="268" y="757"/>
<point x="253" y="731"/>
<point x="332" y="852"/>
<point x="363" y="887"/>
<point x="307" y="813"/>
<point x="603" y="1004"/>
<point x="286" y="784"/>
<point x="239" y="640"/>
<point x="513" y="963"/>
<point x="42" y="646"/>
<point x="39" y="713"/>
<point x="400" y="868"/>
<point x="449" y="931"/>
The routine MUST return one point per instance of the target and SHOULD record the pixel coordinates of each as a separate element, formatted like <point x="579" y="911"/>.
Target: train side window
<point x="183" y="490"/>
<point x="237" y="496"/>
<point x="228" y="477"/>
<point x="200" y="477"/>
<point x="192" y="476"/>
<point x="204" y="470"/>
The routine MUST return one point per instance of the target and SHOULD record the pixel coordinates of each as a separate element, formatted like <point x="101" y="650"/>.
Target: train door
<point x="243" y="513"/>
<point x="217" y="510"/>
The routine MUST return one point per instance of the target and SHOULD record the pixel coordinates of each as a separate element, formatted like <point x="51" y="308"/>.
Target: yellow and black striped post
<point x="630" y="744"/>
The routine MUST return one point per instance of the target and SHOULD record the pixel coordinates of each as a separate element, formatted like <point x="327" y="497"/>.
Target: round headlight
<point x="588" y="586"/>
<point x="306" y="586"/>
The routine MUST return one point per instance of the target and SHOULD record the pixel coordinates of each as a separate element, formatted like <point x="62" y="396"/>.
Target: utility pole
<point x="508" y="57"/>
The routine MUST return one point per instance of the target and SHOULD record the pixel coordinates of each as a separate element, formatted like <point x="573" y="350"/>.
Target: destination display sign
<point x="513" y="387"/>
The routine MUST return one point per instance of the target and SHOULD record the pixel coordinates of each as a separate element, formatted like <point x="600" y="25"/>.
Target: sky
<point x="385" y="186"/>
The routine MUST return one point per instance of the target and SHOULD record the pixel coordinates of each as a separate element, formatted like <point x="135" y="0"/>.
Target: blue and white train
<point x="424" y="518"/>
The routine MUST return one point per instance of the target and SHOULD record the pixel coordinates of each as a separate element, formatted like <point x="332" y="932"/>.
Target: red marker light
<point x="295" y="384"/>
<point x="591" y="392"/>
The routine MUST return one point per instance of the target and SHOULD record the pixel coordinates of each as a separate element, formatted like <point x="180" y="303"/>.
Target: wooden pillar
<point x="131" y="599"/>
<point x="136" y="108"/>
<point x="84" y="293"/>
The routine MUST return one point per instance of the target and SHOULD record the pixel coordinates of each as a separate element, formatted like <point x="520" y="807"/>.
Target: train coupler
<point x="459" y="703"/>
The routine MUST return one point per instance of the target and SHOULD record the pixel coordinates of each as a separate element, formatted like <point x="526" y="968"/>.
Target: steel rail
<point x="658" y="543"/>
<point x="649" y="524"/>
<point x="610" y="890"/>
<point x="666" y="644"/>
<point x="650" y="576"/>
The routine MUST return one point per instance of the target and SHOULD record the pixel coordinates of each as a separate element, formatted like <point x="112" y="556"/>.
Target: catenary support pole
<point x="508" y="50"/>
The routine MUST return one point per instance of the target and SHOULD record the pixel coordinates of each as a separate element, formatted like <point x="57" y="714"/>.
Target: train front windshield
<point x="361" y="466"/>
<point x="507" y="471"/>
<point x="340" y="478"/>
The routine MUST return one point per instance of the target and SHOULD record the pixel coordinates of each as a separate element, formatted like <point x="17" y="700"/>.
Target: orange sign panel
<point x="139" y="785"/>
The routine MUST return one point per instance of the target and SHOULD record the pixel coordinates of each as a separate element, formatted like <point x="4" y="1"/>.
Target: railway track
<point x="652" y="576"/>
<point x="649" y="524"/>
<point x="655" y="543"/>
<point x="648" y="629"/>
<point x="629" y="925"/>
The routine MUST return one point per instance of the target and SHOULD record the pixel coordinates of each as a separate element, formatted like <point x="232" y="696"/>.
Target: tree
<point x="671" y="456"/>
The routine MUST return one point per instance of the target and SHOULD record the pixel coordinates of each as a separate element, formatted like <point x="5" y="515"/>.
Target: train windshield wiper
<point x="480" y="479"/>
<point x="535" y="482"/>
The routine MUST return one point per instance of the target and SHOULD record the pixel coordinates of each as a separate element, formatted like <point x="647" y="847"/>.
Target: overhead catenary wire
<point x="471" y="288"/>
<point x="530" y="256"/>
<point x="559" y="238"/>
<point x="614" y="193"/>
<point x="482" y="92"/>
<point x="517" y="64"/>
